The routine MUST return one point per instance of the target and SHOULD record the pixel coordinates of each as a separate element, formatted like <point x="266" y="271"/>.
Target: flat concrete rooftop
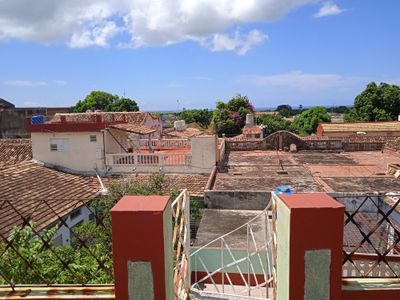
<point x="217" y="222"/>
<point x="309" y="171"/>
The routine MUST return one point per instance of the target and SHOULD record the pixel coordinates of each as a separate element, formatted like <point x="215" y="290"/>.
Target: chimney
<point x="249" y="120"/>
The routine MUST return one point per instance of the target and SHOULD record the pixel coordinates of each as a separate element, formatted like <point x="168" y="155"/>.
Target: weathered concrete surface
<point x="217" y="222"/>
<point x="248" y="200"/>
<point x="308" y="171"/>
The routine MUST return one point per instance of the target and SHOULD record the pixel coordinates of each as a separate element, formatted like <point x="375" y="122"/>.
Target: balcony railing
<point x="166" y="143"/>
<point x="157" y="159"/>
<point x="371" y="235"/>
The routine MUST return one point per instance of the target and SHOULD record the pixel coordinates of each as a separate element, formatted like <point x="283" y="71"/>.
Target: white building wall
<point x="64" y="233"/>
<point x="80" y="154"/>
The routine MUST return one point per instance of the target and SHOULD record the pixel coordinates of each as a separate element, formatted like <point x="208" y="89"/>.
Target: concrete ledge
<point x="40" y="292"/>
<point x="371" y="289"/>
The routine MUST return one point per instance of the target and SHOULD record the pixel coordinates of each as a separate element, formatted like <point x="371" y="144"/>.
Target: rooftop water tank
<point x="37" y="119"/>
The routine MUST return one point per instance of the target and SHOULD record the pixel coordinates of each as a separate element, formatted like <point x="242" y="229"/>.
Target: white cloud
<point x="96" y="36"/>
<point x="25" y="83"/>
<point x="84" y="23"/>
<point x="329" y="9"/>
<point x="236" y="42"/>
<point x="304" y="81"/>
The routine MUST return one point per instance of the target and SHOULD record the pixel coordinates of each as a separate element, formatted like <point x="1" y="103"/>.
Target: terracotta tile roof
<point x="360" y="126"/>
<point x="133" y="128"/>
<point x="137" y="118"/>
<point x="13" y="151"/>
<point x="38" y="193"/>
<point x="252" y="130"/>
<point x="195" y="184"/>
<point x="268" y="113"/>
<point x="188" y="132"/>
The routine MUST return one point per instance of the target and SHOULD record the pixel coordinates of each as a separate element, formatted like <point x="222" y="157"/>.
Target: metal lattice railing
<point x="243" y="272"/>
<point x="54" y="241"/>
<point x="181" y="244"/>
<point x="371" y="235"/>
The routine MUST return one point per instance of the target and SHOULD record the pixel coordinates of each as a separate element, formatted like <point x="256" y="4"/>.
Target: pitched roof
<point x="360" y="126"/>
<point x="13" y="151"/>
<point x="6" y="104"/>
<point x="137" y="118"/>
<point x="195" y="184"/>
<point x="188" y="132"/>
<point x="133" y="128"/>
<point x="252" y="130"/>
<point x="32" y="191"/>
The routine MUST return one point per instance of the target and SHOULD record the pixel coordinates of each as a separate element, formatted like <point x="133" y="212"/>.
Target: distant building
<point x="12" y="119"/>
<point x="360" y="129"/>
<point x="117" y="142"/>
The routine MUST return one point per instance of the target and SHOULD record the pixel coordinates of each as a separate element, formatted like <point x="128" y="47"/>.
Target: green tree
<point x="284" y="110"/>
<point x="199" y="116"/>
<point x="230" y="117"/>
<point x="307" y="121"/>
<point x="273" y="123"/>
<point x="376" y="103"/>
<point x="105" y="102"/>
<point x="45" y="259"/>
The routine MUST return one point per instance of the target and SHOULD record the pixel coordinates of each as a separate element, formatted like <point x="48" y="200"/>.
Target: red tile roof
<point x="133" y="128"/>
<point x="360" y="126"/>
<point x="13" y="151"/>
<point x="252" y="130"/>
<point x="38" y="193"/>
<point x="137" y="118"/>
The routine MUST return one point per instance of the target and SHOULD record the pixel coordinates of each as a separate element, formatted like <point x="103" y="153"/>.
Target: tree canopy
<point x="105" y="102"/>
<point x="307" y="121"/>
<point x="376" y="103"/>
<point x="273" y="123"/>
<point x="199" y="116"/>
<point x="284" y="110"/>
<point x="230" y="117"/>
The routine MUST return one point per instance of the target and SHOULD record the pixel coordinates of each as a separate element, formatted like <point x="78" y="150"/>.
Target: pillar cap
<point x="310" y="200"/>
<point x="141" y="203"/>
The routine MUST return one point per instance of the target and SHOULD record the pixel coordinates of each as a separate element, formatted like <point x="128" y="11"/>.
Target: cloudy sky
<point x="170" y="54"/>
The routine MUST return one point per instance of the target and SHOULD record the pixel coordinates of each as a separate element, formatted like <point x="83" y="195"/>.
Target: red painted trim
<point x="316" y="223"/>
<point x="382" y="294"/>
<point x="234" y="277"/>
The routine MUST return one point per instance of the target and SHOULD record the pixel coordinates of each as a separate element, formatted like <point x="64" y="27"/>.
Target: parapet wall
<point x="240" y="200"/>
<point x="281" y="140"/>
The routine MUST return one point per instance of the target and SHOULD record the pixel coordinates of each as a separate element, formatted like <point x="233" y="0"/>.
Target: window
<point x="59" y="145"/>
<point x="76" y="214"/>
<point x="93" y="138"/>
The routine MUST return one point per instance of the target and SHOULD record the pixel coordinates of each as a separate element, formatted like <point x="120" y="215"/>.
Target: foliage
<point x="104" y="102"/>
<point x="285" y="110"/>
<point x="273" y="123"/>
<point x="230" y="117"/>
<point x="376" y="103"/>
<point x="307" y="121"/>
<point x="199" y="116"/>
<point x="46" y="259"/>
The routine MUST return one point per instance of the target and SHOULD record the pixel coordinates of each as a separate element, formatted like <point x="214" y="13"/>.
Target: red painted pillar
<point x="309" y="247"/>
<point x="142" y="247"/>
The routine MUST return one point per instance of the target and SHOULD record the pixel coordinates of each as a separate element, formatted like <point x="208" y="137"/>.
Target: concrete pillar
<point x="309" y="247"/>
<point x="142" y="248"/>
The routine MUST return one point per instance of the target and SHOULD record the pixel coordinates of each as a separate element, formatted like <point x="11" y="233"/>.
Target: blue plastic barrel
<point x="37" y="119"/>
<point x="283" y="189"/>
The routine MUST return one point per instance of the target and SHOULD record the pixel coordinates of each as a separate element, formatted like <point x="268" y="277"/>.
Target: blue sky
<point x="305" y="52"/>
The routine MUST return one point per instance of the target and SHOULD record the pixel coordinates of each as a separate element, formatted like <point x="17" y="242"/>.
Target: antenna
<point x="177" y="101"/>
<point x="124" y="92"/>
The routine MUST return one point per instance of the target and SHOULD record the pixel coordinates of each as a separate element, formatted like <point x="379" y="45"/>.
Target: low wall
<point x="245" y="145"/>
<point x="241" y="200"/>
